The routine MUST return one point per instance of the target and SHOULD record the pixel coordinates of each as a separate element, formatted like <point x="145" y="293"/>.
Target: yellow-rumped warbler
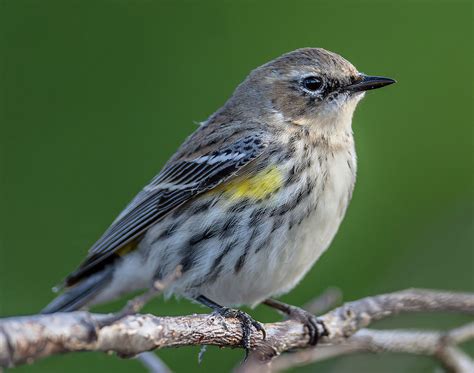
<point x="250" y="200"/>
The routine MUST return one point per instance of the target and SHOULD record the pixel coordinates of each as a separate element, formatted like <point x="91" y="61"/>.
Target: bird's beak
<point x="366" y="83"/>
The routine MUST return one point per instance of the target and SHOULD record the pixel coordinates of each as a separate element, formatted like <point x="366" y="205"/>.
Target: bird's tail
<point x="80" y="294"/>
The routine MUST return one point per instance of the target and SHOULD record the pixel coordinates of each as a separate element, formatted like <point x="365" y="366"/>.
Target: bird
<point x="249" y="201"/>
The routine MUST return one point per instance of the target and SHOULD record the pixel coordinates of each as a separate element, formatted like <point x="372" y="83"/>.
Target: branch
<point x="441" y="346"/>
<point x="28" y="338"/>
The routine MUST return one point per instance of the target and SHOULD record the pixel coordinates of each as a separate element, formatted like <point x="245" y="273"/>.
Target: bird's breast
<point x="328" y="184"/>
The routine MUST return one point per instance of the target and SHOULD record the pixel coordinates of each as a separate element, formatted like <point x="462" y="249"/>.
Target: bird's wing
<point x="178" y="182"/>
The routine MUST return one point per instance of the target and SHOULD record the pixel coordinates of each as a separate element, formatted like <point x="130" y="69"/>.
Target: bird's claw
<point x="315" y="326"/>
<point x="246" y="321"/>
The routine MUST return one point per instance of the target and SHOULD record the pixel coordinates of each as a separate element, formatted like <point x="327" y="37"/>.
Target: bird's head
<point x="309" y="86"/>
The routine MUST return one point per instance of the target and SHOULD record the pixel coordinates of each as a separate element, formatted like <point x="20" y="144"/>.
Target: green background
<point x="96" y="95"/>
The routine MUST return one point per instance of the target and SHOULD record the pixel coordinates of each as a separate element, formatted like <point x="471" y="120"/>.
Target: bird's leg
<point x="245" y="320"/>
<point x="316" y="328"/>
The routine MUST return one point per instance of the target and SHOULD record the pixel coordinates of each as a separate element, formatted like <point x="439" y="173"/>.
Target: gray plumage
<point x="210" y="209"/>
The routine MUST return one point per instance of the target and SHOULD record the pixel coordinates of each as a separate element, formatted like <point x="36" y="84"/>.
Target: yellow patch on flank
<point x="258" y="187"/>
<point x="127" y="248"/>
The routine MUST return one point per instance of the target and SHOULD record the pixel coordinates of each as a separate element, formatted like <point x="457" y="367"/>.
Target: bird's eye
<point x="312" y="83"/>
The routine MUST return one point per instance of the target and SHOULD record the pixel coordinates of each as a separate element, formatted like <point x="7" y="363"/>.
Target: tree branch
<point x="430" y="343"/>
<point x="28" y="338"/>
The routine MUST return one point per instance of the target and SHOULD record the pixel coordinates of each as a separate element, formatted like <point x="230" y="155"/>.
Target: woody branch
<point x="28" y="338"/>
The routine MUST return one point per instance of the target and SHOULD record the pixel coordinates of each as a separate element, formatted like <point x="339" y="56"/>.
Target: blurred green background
<point x="96" y="95"/>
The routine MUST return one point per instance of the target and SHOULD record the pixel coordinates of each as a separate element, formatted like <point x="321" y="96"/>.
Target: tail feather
<point x="79" y="295"/>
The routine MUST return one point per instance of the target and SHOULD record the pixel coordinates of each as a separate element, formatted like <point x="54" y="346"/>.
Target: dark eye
<point x="312" y="83"/>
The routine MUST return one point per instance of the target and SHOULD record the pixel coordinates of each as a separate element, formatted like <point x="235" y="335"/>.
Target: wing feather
<point x="178" y="182"/>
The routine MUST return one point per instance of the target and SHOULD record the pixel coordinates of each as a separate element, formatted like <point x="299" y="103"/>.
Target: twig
<point x="153" y="363"/>
<point x="358" y="314"/>
<point x="25" y="339"/>
<point x="441" y="346"/>
<point x="324" y="302"/>
<point x="135" y="305"/>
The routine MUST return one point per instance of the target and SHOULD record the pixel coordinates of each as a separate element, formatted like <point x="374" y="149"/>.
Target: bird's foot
<point x="316" y="327"/>
<point x="246" y="321"/>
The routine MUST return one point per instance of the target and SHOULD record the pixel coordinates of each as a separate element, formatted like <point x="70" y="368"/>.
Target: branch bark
<point x="429" y="343"/>
<point x="28" y="338"/>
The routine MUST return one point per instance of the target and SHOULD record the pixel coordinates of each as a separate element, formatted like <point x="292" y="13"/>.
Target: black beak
<point x="366" y="83"/>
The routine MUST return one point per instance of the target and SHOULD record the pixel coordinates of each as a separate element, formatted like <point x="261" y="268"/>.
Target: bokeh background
<point x="96" y="95"/>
